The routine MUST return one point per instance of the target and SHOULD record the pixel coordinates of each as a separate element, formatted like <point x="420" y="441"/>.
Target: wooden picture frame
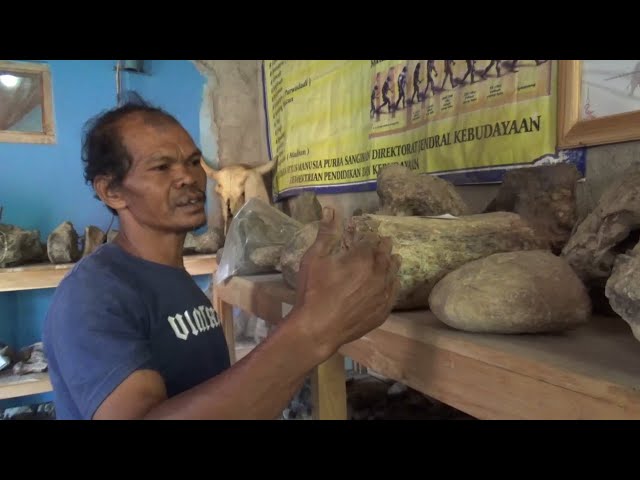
<point x="575" y="131"/>
<point x="47" y="132"/>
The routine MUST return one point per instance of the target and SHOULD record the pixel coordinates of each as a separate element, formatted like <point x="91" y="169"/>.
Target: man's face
<point x="165" y="186"/>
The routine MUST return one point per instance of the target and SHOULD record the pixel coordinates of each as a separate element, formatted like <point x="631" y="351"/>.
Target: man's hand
<point x="347" y="284"/>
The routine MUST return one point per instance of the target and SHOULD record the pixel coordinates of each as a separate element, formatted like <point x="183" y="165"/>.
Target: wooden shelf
<point x="589" y="373"/>
<point x="48" y="275"/>
<point x="12" y="386"/>
<point x="204" y="264"/>
<point x="243" y="349"/>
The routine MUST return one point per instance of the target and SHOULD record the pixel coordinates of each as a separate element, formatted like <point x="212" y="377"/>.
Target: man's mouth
<point x="190" y="200"/>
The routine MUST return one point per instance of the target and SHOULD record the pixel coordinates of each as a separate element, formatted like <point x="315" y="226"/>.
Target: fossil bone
<point x="429" y="247"/>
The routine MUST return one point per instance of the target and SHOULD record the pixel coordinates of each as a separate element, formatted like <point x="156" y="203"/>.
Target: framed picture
<point x="26" y="103"/>
<point x="598" y="102"/>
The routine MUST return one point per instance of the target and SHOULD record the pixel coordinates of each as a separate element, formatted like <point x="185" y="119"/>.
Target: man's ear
<point x="109" y="193"/>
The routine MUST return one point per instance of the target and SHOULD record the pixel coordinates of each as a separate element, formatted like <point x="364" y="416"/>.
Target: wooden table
<point x="590" y="373"/>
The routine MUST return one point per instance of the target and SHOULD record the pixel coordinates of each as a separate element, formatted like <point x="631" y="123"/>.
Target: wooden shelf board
<point x="30" y="277"/>
<point x="243" y="349"/>
<point x="589" y="372"/>
<point x="12" y="386"/>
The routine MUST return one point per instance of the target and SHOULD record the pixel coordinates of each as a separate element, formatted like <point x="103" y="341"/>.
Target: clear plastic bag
<point x="256" y="236"/>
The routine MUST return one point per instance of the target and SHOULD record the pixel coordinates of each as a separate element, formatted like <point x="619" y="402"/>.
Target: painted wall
<point x="41" y="186"/>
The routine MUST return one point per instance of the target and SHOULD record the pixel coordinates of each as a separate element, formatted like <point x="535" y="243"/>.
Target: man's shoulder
<point x="99" y="268"/>
<point x="98" y="278"/>
<point x="96" y="288"/>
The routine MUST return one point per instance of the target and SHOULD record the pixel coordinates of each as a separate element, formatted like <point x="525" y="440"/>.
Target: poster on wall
<point x="333" y="124"/>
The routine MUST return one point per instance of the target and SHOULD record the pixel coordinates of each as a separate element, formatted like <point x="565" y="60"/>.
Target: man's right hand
<point x="346" y="285"/>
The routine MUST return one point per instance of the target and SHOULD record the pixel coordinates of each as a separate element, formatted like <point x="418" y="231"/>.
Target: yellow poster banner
<point x="333" y="124"/>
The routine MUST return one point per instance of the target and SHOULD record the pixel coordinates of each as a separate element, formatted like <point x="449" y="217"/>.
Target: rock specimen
<point x="623" y="289"/>
<point x="111" y="234"/>
<point x="62" y="244"/>
<point x="32" y="360"/>
<point x="294" y="250"/>
<point x="255" y="227"/>
<point x="405" y="193"/>
<point x="268" y="257"/>
<point x="605" y="232"/>
<point x="93" y="238"/>
<point x="19" y="247"/>
<point x="545" y="197"/>
<point x="207" y="242"/>
<point x="514" y="292"/>
<point x="429" y="247"/>
<point x="305" y="208"/>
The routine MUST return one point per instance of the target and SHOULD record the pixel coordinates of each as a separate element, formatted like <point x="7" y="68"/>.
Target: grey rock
<point x="20" y="247"/>
<point x="111" y="234"/>
<point x="305" y="208"/>
<point x="623" y="289"/>
<point x="62" y="244"/>
<point x="511" y="293"/>
<point x="92" y="239"/>
<point x="403" y="192"/>
<point x="207" y="242"/>
<point x="607" y="230"/>
<point x="255" y="227"/>
<point x="544" y="196"/>
<point x="267" y="257"/>
<point x="33" y="360"/>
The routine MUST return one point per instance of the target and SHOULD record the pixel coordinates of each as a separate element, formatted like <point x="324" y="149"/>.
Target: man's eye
<point x="164" y="166"/>
<point x="195" y="161"/>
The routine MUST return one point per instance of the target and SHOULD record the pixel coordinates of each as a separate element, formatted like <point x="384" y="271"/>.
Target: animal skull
<point x="236" y="184"/>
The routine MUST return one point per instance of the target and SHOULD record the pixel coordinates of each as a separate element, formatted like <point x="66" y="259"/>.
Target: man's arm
<point x="257" y="387"/>
<point x="346" y="286"/>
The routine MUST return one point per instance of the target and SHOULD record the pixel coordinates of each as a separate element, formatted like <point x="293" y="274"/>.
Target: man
<point x="129" y="335"/>
<point x="402" y="83"/>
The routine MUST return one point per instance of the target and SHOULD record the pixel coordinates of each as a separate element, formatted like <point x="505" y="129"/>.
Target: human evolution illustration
<point x="390" y="93"/>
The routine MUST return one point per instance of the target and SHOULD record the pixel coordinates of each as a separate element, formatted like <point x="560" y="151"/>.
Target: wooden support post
<point x="329" y="389"/>
<point x="225" y="315"/>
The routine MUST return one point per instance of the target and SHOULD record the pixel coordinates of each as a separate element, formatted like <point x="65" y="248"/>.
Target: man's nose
<point x="185" y="175"/>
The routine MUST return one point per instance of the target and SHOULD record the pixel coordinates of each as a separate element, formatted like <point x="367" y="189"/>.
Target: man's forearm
<point x="257" y="387"/>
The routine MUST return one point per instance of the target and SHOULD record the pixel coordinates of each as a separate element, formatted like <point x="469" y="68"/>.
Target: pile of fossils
<point x="526" y="264"/>
<point x="20" y="247"/>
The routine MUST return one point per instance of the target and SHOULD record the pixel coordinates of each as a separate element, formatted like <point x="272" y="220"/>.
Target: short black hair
<point x="103" y="151"/>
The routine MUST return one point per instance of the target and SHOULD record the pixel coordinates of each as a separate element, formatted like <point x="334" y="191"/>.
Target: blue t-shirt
<point x="114" y="313"/>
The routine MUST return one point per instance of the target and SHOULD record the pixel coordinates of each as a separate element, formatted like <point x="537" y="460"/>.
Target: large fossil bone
<point x="429" y="247"/>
